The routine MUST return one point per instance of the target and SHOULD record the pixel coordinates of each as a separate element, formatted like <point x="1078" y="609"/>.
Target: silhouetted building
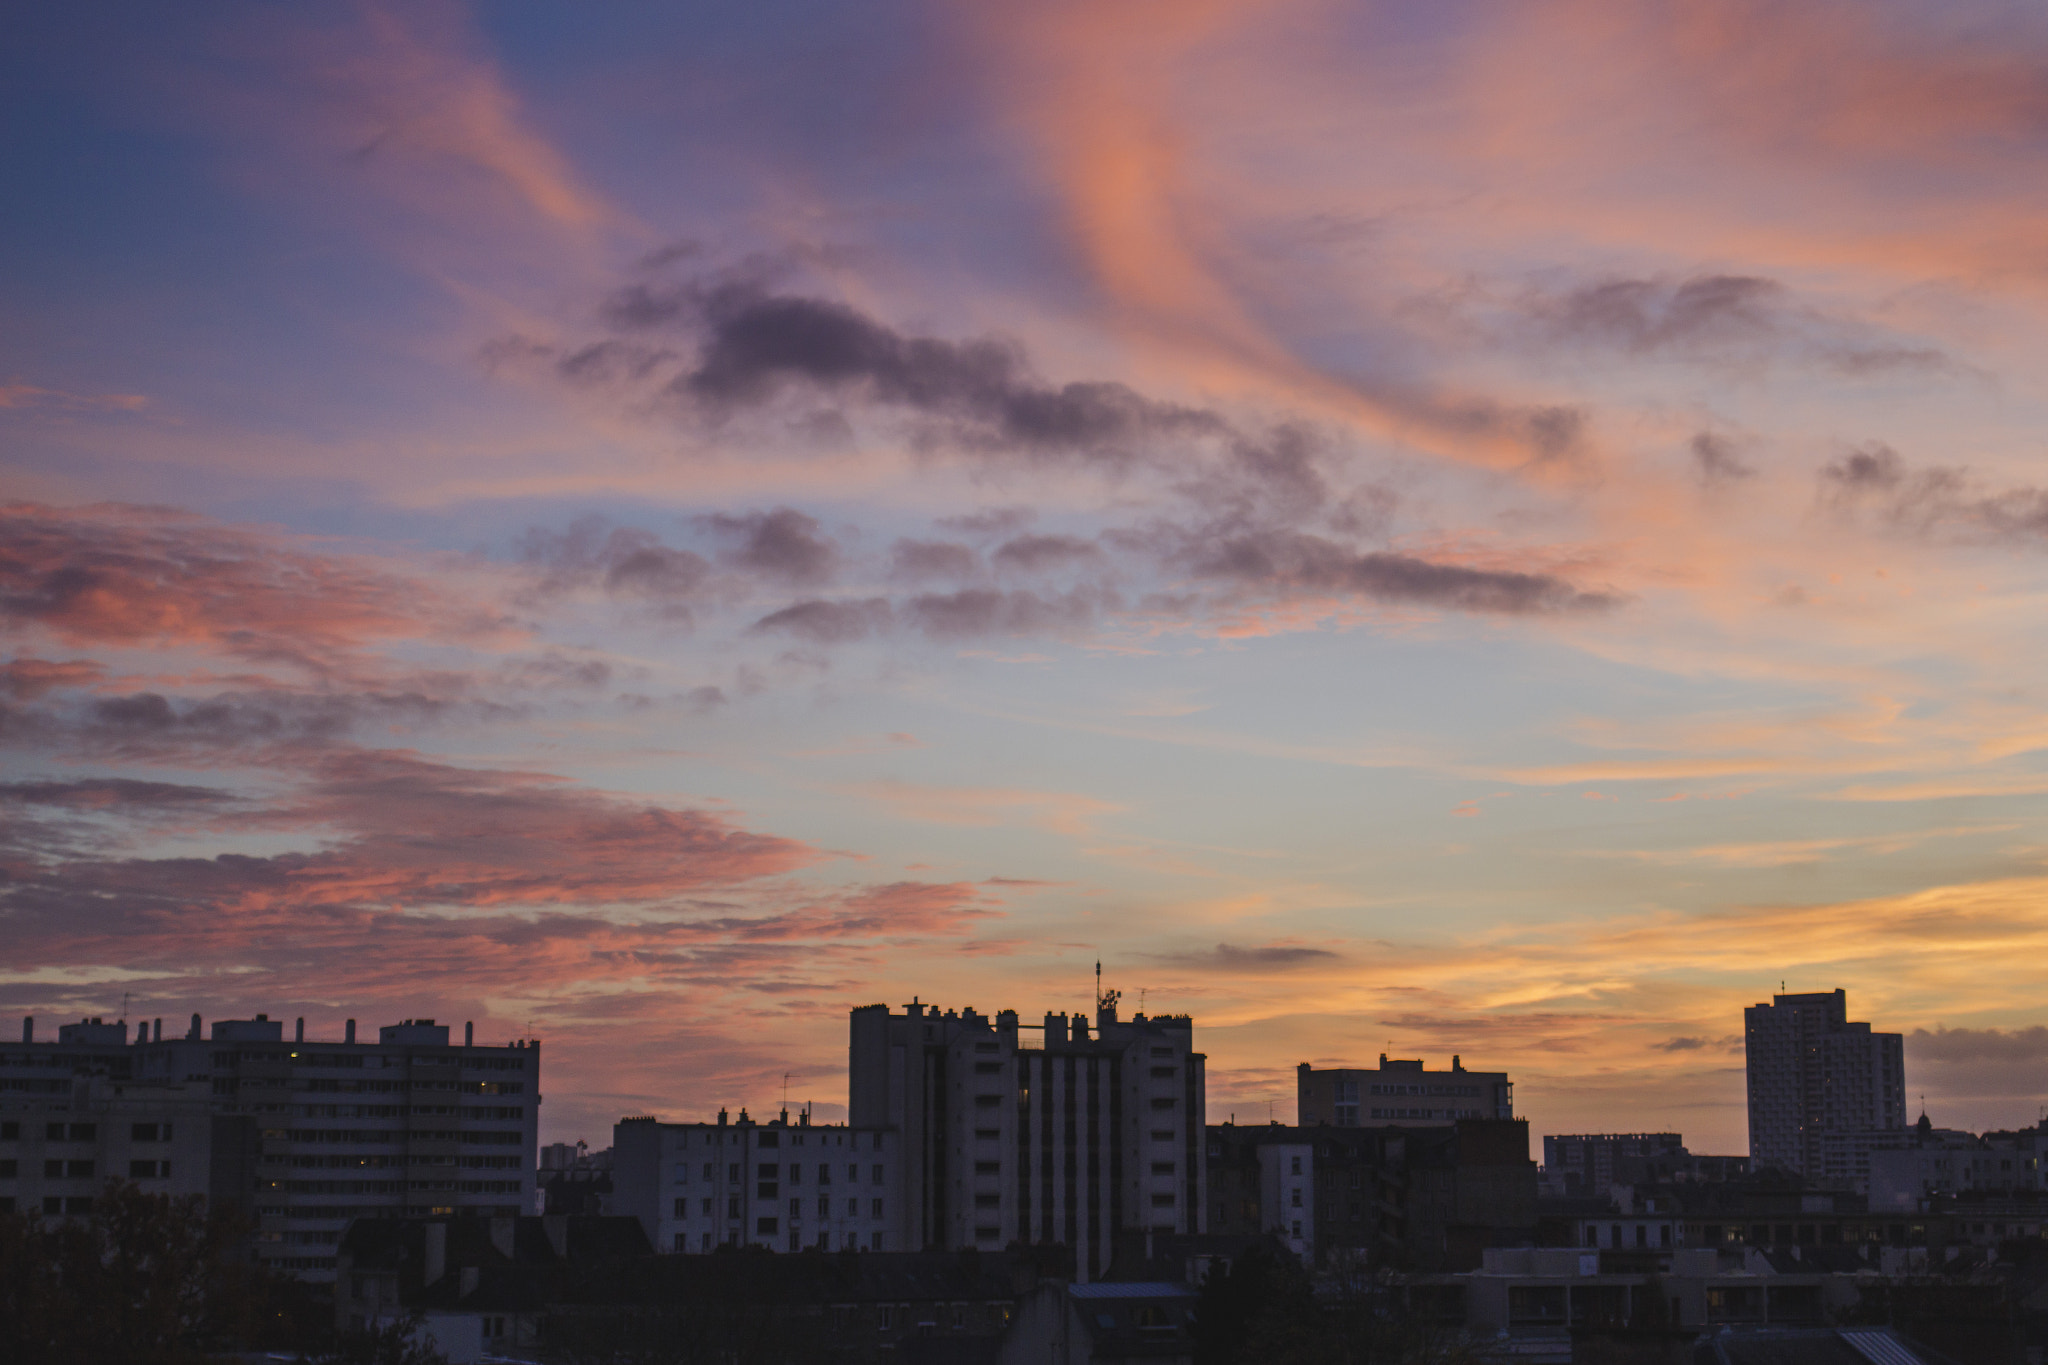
<point x="1587" y="1163"/>
<point x="1071" y="1136"/>
<point x="1813" y="1072"/>
<point x="409" y="1124"/>
<point x="1428" y="1198"/>
<point x="1399" y="1092"/>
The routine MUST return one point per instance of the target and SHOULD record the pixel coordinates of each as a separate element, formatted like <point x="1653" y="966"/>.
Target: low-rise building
<point x="1424" y="1197"/>
<point x="781" y="1186"/>
<point x="1399" y="1092"/>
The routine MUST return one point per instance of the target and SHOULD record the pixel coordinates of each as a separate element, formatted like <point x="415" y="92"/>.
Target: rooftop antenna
<point x="124" y="1007"/>
<point x="785" y="1090"/>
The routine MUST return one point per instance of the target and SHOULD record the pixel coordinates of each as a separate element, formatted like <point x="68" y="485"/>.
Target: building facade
<point x="408" y="1125"/>
<point x="1072" y="1136"/>
<point x="782" y="1186"/>
<point x="1399" y="1092"/>
<point x="1396" y="1196"/>
<point x="1813" y="1071"/>
<point x="1587" y="1163"/>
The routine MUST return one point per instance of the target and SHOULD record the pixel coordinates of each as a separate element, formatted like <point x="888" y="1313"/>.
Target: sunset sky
<point x="1496" y="529"/>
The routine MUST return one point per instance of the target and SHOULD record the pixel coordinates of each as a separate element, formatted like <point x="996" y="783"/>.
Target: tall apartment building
<point x="786" y="1187"/>
<point x="1399" y="1092"/>
<point x="1812" y="1072"/>
<point x="307" y="1134"/>
<point x="1071" y="1136"/>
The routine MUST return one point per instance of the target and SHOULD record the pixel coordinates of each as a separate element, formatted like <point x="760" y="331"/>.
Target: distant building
<point x="786" y="1187"/>
<point x="1587" y="1163"/>
<point x="304" y="1134"/>
<point x="1401" y="1092"/>
<point x="1813" y="1072"/>
<point x="1924" y="1162"/>
<point x="1071" y="1136"/>
<point x="1409" y="1197"/>
<point x="575" y="1181"/>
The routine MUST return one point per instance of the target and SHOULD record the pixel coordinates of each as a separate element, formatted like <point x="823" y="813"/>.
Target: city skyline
<point x="1515" y="536"/>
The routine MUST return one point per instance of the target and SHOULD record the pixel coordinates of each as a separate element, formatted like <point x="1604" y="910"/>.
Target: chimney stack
<point x="28" y="1028"/>
<point x="299" y="1033"/>
<point x="469" y="1034"/>
<point x="194" y="1034"/>
<point x="350" y="1036"/>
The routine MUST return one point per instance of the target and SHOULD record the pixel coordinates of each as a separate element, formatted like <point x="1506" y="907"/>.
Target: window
<point x="707" y="1208"/>
<point x="8" y="1169"/>
<point x="853" y="1174"/>
<point x="988" y="1201"/>
<point x="988" y="1101"/>
<point x="767" y="1189"/>
<point x="988" y="1234"/>
<point x="732" y="1206"/>
<point x="764" y="1227"/>
<point x="682" y="1239"/>
<point x="824" y="1175"/>
<point x="1297" y="1227"/>
<point x="824" y="1206"/>
<point x="1162" y="1168"/>
<point x="1162" y="1073"/>
<point x="1166" y="1135"/>
<point x="84" y="1132"/>
<point x="885" y="1317"/>
<point x="1294" y="1166"/>
<point x="794" y="1245"/>
<point x="150" y="1132"/>
<point x="988" y="1068"/>
<point x="1162" y="1201"/>
<point x="796" y="1211"/>
<point x="682" y="1211"/>
<point x="878" y="1208"/>
<point x="732" y="1173"/>
<point x="54" y="1133"/>
<point x="149" y="1170"/>
<point x="1295" y="1202"/>
<point x="878" y="1174"/>
<point x="986" y="1047"/>
<point x="853" y="1208"/>
<point x="875" y="1241"/>
<point x="1162" y="1103"/>
<point x="768" y="1171"/>
<point x="710" y="1172"/>
<point x="796" y="1175"/>
<point x="988" y="1134"/>
<point x="705" y="1243"/>
<point x="988" y="1168"/>
<point x="52" y="1204"/>
<point x="767" y="1139"/>
<point x="10" y="1132"/>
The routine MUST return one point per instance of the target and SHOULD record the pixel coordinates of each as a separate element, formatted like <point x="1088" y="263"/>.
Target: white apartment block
<point x="305" y="1134"/>
<point x="1812" y="1071"/>
<point x="1067" y="1136"/>
<point x="786" y="1187"/>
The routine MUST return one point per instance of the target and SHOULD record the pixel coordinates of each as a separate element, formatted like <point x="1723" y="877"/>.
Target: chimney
<point x="299" y="1033"/>
<point x="1456" y="1065"/>
<point x="28" y="1028"/>
<point x="158" y="1032"/>
<point x="194" y="1035"/>
<point x="1055" y="1029"/>
<point x="469" y="1034"/>
<point x="721" y="1116"/>
<point x="350" y="1035"/>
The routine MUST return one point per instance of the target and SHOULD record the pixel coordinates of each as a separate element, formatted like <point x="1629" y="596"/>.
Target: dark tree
<point x="145" y="1279"/>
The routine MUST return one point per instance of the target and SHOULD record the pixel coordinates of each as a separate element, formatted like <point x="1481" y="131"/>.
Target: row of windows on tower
<point x="796" y="1207"/>
<point x="766" y="1171"/>
<point x="766" y="1227"/>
